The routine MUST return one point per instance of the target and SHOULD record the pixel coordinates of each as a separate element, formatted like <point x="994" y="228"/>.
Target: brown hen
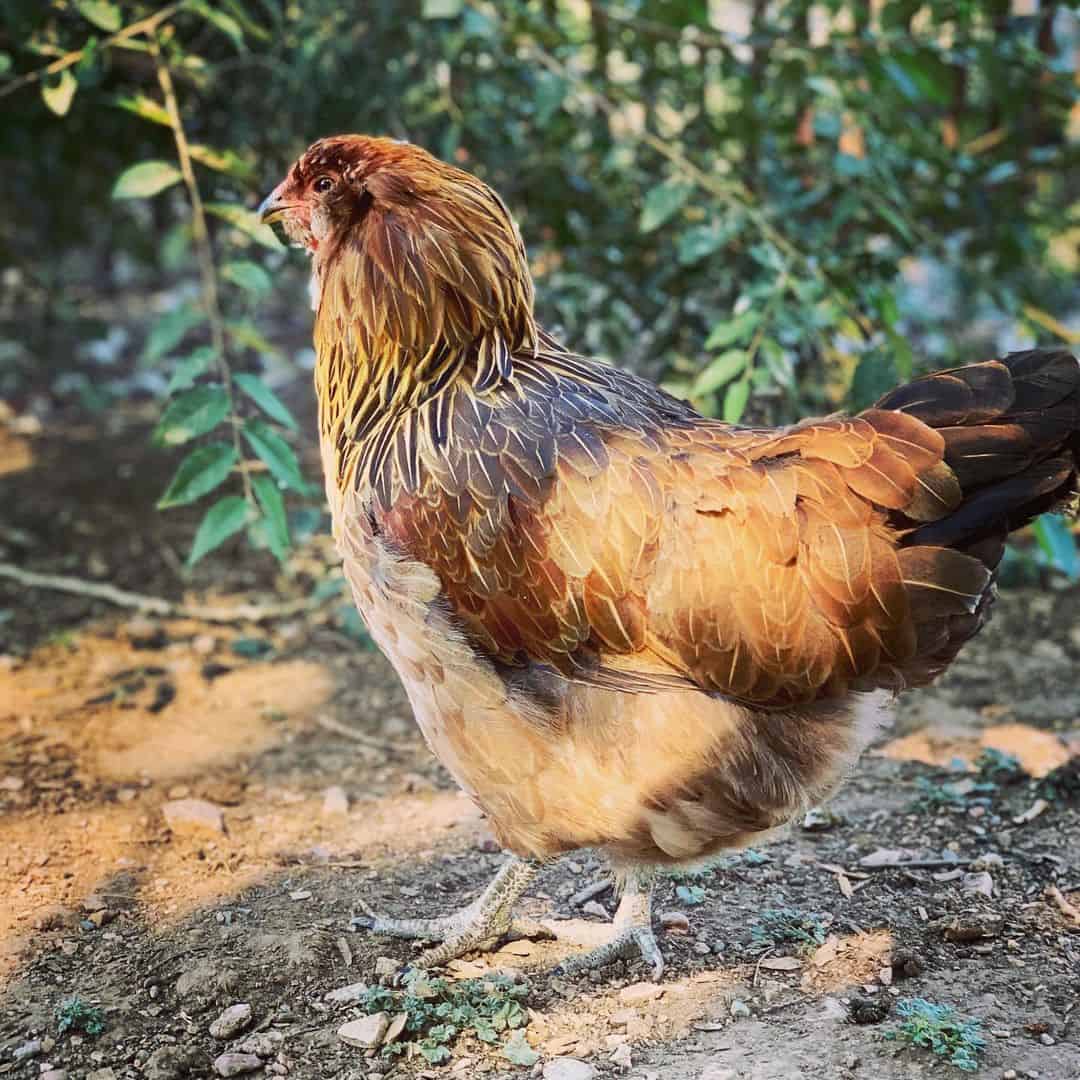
<point x="622" y="625"/>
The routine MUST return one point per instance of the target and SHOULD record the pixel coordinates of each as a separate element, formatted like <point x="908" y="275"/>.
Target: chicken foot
<point x="633" y="931"/>
<point x="478" y="927"/>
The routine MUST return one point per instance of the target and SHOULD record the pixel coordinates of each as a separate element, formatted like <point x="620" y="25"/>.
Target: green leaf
<point x="192" y="414"/>
<point x="189" y="368"/>
<point x="199" y="473"/>
<point x="518" y="1051"/>
<point x="225" y="161"/>
<point x="276" y="453"/>
<point x="145" y="179"/>
<point x="719" y="372"/>
<point x="265" y="398"/>
<point x="247" y="335"/>
<point x="699" y="241"/>
<point x="225" y="23"/>
<point x="875" y="375"/>
<point x="226" y="517"/>
<point x="1058" y="542"/>
<point x="246" y="222"/>
<point x="273" y="506"/>
<point x="735" y="400"/>
<point x="143" y="106"/>
<point x="169" y="331"/>
<point x="662" y="202"/>
<point x="441" y="9"/>
<point x="103" y="15"/>
<point x="732" y="330"/>
<point x="250" y="276"/>
<point x="58" y="95"/>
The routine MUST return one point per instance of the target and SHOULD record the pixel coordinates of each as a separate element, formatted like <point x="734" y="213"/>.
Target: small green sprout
<point x="779" y="926"/>
<point x="74" y="1014"/>
<point x="940" y="1029"/>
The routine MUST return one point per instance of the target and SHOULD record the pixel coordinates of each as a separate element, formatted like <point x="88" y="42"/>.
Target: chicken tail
<point x="1012" y="438"/>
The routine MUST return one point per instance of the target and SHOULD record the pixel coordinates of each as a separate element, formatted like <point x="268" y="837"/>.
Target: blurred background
<point x="774" y="207"/>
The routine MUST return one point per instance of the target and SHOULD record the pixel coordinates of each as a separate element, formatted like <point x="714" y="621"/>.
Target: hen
<point x="622" y="625"/>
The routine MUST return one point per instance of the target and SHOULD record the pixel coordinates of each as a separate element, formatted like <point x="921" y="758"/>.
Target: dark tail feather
<point x="1012" y="436"/>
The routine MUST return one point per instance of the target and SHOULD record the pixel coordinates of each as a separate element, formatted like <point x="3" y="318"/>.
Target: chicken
<point x="622" y="625"/>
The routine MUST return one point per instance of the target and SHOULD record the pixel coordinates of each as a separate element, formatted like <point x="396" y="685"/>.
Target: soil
<point x="109" y="719"/>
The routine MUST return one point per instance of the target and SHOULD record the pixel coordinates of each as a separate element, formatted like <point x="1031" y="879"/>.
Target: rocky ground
<point x="191" y="812"/>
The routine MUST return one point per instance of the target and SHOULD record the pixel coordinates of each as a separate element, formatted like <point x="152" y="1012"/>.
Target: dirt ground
<point x="160" y="912"/>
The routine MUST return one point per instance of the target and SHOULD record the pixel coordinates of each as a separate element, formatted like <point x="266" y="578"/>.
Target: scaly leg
<point x="633" y="931"/>
<point x="476" y="928"/>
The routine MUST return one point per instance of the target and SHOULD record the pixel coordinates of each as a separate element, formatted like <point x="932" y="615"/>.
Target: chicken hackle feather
<point x="622" y="624"/>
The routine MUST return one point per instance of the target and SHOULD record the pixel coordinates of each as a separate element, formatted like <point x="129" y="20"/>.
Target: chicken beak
<point x="273" y="207"/>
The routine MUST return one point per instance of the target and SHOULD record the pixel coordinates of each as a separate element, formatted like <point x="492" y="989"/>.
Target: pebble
<point x="738" y="1008"/>
<point x="1009" y="1074"/>
<point x="718" y="1072"/>
<point x="53" y="1074"/>
<point x="28" y="1049"/>
<point x="101" y="1074"/>
<point x="367" y="1032"/>
<point x="12" y="783"/>
<point x="234" y="1064"/>
<point x="231" y="1021"/>
<point x="1047" y="1039"/>
<point x="397" y="1026"/>
<point x="566" y="1068"/>
<point x="675" y="922"/>
<point x="335" y="801"/>
<point x="346" y="995"/>
<point x="300" y="894"/>
<point x="640" y="993"/>
<point x="385" y="965"/>
<point x="622" y="1056"/>
<point x="204" y="644"/>
<point x="702" y="948"/>
<point x="193" y="815"/>
<point x="264" y="1044"/>
<point x="980" y="882"/>
<point x="594" y="907"/>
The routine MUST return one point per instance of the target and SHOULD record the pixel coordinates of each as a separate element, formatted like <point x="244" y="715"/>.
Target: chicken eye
<point x="323" y="184"/>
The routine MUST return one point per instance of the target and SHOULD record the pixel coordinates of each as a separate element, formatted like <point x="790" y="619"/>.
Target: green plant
<point x="439" y="1012"/>
<point x="783" y="926"/>
<point x="940" y="1029"/>
<point x="941" y="794"/>
<point x="74" y="1014"/>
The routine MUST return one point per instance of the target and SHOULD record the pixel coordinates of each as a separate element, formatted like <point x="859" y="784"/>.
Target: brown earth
<point x="107" y="716"/>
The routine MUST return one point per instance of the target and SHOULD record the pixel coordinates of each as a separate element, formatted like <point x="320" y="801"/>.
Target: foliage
<point x="774" y="208"/>
<point x="75" y="1015"/>
<point x="941" y="1029"/>
<point x="439" y="1012"/>
<point x="782" y="926"/>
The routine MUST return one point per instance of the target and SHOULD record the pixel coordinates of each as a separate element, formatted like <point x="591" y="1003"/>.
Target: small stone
<point x="675" y="922"/>
<point x="346" y="995"/>
<point x="397" y="1026"/>
<point x="567" y="1068"/>
<point x="594" y="907"/>
<point x="126" y="794"/>
<point x="1047" y="1039"/>
<point x="178" y="791"/>
<point x="335" y="801"/>
<point x="622" y="1057"/>
<point x="231" y="1021"/>
<point x="366" y="1033"/>
<point x="192" y="816"/>
<point x="640" y="993"/>
<point x="101" y="1074"/>
<point x="885" y="976"/>
<point x="28" y="1049"/>
<point x="235" y="1064"/>
<point x="171" y="1062"/>
<point x="738" y="1008"/>
<point x="385" y="965"/>
<point x="1009" y="1074"/>
<point x="264" y="1044"/>
<point x="12" y="783"/>
<point x="980" y="882"/>
<point x="53" y="1074"/>
<point x="204" y="644"/>
<point x="300" y="894"/>
<point x="702" y="948"/>
<point x="94" y="903"/>
<point x="718" y="1072"/>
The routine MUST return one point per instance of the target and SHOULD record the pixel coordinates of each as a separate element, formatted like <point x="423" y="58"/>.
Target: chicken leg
<point x="633" y="931"/>
<point x="478" y="927"/>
